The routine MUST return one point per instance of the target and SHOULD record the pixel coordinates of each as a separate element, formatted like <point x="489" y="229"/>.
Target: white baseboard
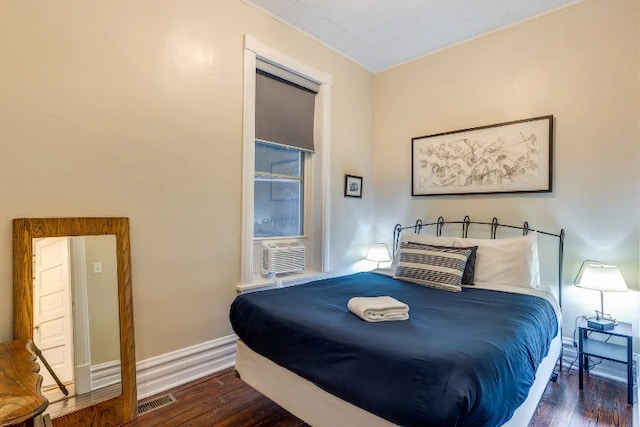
<point x="161" y="373"/>
<point x="607" y="369"/>
<point x="105" y="374"/>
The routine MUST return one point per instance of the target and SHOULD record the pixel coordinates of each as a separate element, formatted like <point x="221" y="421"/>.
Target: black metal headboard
<point x="494" y="224"/>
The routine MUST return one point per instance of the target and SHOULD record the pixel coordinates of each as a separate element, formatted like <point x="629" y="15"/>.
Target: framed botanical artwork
<point x="352" y="186"/>
<point x="511" y="157"/>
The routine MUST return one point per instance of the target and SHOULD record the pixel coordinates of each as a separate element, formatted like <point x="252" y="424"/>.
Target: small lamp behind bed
<point x="597" y="276"/>
<point x="379" y="253"/>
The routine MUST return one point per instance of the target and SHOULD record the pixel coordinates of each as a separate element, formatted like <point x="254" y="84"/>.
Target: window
<point x="285" y="159"/>
<point x="278" y="191"/>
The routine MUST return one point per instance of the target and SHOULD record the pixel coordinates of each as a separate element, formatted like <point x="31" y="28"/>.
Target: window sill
<point x="262" y="283"/>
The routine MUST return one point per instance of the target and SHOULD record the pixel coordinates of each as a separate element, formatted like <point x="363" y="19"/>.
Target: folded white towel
<point x="378" y="309"/>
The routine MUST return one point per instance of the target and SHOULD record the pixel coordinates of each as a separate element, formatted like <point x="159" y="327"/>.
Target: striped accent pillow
<point x="436" y="267"/>
<point x="469" y="268"/>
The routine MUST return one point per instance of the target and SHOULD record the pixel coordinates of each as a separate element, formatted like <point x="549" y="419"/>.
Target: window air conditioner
<point x="282" y="257"/>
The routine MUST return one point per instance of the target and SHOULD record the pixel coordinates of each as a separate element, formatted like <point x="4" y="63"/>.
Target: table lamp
<point x="378" y="253"/>
<point x="597" y="276"/>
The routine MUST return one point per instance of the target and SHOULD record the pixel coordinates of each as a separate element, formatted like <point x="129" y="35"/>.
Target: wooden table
<point x="20" y="398"/>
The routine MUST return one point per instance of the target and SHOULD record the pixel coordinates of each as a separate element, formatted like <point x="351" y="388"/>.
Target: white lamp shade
<point x="605" y="278"/>
<point x="379" y="253"/>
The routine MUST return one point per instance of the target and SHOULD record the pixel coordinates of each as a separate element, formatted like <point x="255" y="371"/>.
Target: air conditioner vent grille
<point x="283" y="257"/>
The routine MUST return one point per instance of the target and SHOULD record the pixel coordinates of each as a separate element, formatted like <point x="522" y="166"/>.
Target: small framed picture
<point x="352" y="186"/>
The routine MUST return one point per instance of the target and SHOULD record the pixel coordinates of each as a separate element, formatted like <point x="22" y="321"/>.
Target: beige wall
<point x="135" y="109"/>
<point x="581" y="64"/>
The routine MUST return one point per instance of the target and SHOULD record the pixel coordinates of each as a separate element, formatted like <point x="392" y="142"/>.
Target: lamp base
<point x="601" y="324"/>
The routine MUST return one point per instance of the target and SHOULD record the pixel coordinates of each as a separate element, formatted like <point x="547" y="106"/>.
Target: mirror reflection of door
<point x="52" y="332"/>
<point x="76" y="322"/>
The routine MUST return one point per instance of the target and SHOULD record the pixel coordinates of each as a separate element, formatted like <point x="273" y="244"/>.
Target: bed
<point x="479" y="357"/>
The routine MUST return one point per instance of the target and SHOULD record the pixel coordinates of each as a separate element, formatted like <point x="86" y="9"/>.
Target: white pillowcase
<point x="511" y="261"/>
<point x="428" y="240"/>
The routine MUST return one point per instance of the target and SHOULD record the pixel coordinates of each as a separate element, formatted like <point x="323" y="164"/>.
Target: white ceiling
<point x="380" y="34"/>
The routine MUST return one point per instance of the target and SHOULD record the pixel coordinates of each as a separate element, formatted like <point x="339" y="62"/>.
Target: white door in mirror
<point x="52" y="307"/>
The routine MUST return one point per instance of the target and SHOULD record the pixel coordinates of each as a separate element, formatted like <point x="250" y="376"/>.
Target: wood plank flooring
<point x="223" y="400"/>
<point x="602" y="403"/>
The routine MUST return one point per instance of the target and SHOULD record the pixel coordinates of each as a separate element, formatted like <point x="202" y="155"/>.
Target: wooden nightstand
<point x="621" y="353"/>
<point x="20" y="398"/>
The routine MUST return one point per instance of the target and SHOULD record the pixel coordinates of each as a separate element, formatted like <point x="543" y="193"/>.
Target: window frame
<point x="316" y="166"/>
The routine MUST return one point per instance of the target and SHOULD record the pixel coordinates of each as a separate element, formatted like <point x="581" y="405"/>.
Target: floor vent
<point x="155" y="403"/>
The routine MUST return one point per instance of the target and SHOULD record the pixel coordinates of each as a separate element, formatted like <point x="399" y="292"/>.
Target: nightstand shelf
<point x="621" y="353"/>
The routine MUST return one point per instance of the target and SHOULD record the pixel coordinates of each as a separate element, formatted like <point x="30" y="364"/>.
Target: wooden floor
<point x="602" y="403"/>
<point x="223" y="400"/>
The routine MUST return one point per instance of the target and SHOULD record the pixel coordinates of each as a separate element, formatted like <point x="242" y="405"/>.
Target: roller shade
<point x="284" y="111"/>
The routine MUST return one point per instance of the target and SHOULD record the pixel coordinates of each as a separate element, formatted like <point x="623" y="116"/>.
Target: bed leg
<point x="560" y="359"/>
<point x="554" y="374"/>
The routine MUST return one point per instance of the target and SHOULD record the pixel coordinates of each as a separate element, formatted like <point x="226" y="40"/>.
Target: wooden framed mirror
<point x="93" y="407"/>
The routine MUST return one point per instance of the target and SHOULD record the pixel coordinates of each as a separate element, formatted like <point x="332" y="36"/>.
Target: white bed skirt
<point x="319" y="408"/>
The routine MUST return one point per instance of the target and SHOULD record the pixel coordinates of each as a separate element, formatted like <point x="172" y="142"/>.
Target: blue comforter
<point x="462" y="359"/>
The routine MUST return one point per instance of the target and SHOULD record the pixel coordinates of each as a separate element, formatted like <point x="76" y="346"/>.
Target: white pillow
<point x="511" y="261"/>
<point x="425" y="239"/>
